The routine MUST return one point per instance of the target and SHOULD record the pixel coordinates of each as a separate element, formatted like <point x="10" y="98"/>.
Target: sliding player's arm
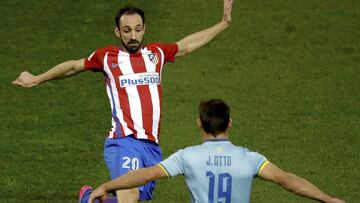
<point x="295" y="184"/>
<point x="130" y="180"/>
<point x="201" y="38"/>
<point x="62" y="70"/>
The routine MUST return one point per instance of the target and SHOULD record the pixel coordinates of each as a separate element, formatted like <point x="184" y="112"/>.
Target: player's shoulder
<point x="160" y="45"/>
<point x="192" y="149"/>
<point x="101" y="52"/>
<point x="250" y="153"/>
<point x="244" y="151"/>
<point x="237" y="149"/>
<point x="153" y="44"/>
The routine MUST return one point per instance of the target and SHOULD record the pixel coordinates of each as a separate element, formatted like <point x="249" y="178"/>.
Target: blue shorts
<point x="127" y="154"/>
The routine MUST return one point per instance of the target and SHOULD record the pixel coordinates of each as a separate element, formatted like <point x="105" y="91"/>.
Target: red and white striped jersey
<point x="133" y="85"/>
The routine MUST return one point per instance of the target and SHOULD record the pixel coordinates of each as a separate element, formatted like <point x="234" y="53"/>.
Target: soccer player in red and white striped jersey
<point x="133" y="85"/>
<point x="132" y="73"/>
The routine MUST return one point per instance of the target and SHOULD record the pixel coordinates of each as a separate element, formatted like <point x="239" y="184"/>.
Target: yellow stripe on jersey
<point x="262" y="166"/>
<point x="162" y="167"/>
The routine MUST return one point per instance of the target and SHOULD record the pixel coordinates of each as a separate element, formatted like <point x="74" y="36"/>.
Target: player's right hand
<point x="98" y="194"/>
<point x="227" y="11"/>
<point x="25" y="79"/>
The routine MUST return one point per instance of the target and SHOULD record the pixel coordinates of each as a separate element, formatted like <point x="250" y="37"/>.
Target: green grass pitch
<point x="290" y="70"/>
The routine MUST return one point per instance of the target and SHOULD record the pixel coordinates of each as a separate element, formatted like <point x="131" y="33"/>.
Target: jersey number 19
<point x="224" y="187"/>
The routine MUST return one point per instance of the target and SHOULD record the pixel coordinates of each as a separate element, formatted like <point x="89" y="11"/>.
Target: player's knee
<point x="128" y="196"/>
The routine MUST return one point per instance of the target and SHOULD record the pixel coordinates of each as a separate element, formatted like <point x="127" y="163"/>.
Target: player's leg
<point x="128" y="196"/>
<point x="152" y="155"/>
<point x="121" y="156"/>
<point x="144" y="153"/>
<point x="84" y="194"/>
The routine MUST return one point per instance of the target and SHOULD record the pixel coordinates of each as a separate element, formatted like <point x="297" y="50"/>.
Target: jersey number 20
<point x="129" y="163"/>
<point x="224" y="187"/>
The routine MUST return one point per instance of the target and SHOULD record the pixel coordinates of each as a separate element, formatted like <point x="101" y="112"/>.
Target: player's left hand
<point x="99" y="193"/>
<point x="25" y="79"/>
<point x="227" y="11"/>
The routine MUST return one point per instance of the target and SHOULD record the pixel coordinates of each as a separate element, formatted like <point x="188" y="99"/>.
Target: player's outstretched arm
<point x="130" y="180"/>
<point x="295" y="184"/>
<point x="199" y="39"/>
<point x="62" y="70"/>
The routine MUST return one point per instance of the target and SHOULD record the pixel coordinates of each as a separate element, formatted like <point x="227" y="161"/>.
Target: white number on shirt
<point x="129" y="163"/>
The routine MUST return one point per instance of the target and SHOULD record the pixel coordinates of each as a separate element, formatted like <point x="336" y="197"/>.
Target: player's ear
<point x="117" y="31"/>
<point x="198" y="122"/>
<point x="230" y="123"/>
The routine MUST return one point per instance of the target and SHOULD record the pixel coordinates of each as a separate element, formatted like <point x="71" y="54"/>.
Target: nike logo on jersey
<point x="139" y="79"/>
<point x="115" y="65"/>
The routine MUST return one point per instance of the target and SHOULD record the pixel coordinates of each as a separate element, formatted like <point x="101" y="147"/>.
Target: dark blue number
<point x="223" y="192"/>
<point x="211" y="186"/>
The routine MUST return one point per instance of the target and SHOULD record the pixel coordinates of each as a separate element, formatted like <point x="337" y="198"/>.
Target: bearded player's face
<point x="131" y="32"/>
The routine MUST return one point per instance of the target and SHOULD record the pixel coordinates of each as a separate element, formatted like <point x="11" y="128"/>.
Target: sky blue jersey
<point x="216" y="171"/>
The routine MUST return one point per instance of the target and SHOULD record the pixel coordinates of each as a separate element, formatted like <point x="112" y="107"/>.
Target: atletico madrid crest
<point x="153" y="58"/>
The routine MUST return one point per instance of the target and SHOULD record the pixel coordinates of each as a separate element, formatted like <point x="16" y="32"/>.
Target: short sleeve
<point x="256" y="161"/>
<point x="169" y="49"/>
<point x="174" y="164"/>
<point x="95" y="61"/>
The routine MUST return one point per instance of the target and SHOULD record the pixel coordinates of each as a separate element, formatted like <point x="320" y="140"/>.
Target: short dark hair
<point x="128" y="10"/>
<point x="214" y="116"/>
